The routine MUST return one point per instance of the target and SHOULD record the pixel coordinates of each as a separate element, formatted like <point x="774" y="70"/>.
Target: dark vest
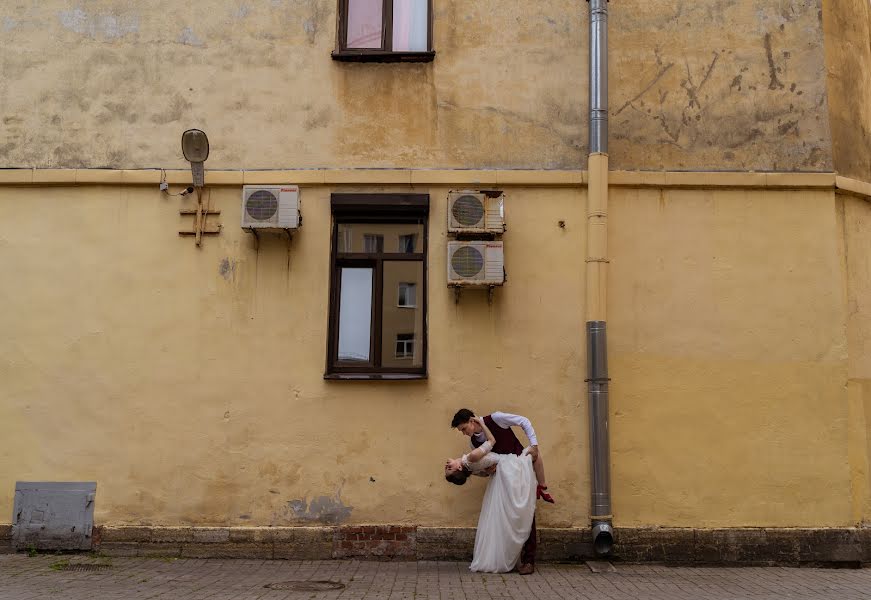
<point x="506" y="441"/>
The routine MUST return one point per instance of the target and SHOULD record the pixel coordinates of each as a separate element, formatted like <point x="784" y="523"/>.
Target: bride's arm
<point x="484" y="449"/>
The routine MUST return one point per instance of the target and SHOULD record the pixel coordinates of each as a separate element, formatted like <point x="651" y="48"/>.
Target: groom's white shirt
<point x="506" y="421"/>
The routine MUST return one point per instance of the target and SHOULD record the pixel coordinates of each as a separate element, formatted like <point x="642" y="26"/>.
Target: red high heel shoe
<point x="540" y="493"/>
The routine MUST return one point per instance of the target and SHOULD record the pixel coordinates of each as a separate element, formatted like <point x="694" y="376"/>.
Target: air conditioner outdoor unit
<point x="475" y="263"/>
<point x="270" y="207"/>
<point x="475" y="212"/>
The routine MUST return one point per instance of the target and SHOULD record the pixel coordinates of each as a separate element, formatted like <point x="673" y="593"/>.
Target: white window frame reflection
<point x="410" y="289"/>
<point x="407" y="345"/>
<point x="373" y="238"/>
<point x="404" y="239"/>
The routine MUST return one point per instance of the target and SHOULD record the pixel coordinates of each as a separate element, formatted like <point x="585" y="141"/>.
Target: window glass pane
<point x="373" y="243"/>
<point x="407" y="294"/>
<point x="364" y="23"/>
<point x="355" y="314"/>
<point x="410" y="25"/>
<point x="402" y="325"/>
<point x="395" y="238"/>
<point x="407" y="243"/>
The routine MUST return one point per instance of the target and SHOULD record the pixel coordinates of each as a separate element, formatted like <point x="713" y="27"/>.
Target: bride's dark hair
<point x="459" y="477"/>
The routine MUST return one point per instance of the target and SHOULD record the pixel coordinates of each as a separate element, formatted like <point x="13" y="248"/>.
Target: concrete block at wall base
<point x="174" y="534"/>
<point x="747" y="547"/>
<point x="445" y="543"/>
<point x="228" y="550"/>
<point x="303" y="543"/>
<point x="119" y="549"/>
<point x="6" y="546"/>
<point x="686" y="546"/>
<point x="124" y="533"/>
<point x="562" y="545"/>
<point x="211" y="535"/>
<point x="653" y="545"/>
<point x="251" y="534"/>
<point x="158" y="550"/>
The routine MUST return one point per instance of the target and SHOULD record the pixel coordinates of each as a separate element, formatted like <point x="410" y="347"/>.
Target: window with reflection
<point x="384" y="30"/>
<point x="378" y="287"/>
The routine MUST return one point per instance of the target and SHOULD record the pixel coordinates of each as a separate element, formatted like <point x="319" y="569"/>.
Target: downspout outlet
<point x="603" y="538"/>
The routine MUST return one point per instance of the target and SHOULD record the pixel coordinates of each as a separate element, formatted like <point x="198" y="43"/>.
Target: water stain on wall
<point x="104" y="26"/>
<point x="322" y="509"/>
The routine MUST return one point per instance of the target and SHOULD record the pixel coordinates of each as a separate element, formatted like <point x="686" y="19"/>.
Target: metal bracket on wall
<point x="491" y="290"/>
<point x="200" y="215"/>
<point x="253" y="231"/>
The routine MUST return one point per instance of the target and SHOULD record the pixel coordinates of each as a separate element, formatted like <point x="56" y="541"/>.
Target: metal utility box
<point x="53" y="515"/>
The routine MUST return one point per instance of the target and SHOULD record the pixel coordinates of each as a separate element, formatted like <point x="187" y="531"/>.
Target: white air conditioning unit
<point x="475" y="263"/>
<point x="270" y="207"/>
<point x="475" y="212"/>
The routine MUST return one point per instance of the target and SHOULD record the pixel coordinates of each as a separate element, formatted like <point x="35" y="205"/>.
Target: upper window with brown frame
<point x="384" y="31"/>
<point x="377" y="320"/>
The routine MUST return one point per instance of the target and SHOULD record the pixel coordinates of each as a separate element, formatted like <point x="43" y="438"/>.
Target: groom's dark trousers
<point x="507" y="443"/>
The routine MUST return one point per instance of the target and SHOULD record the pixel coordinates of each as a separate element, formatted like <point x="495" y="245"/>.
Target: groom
<point x="500" y="425"/>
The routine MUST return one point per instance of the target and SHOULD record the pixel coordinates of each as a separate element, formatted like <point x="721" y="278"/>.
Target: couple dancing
<point x="506" y="536"/>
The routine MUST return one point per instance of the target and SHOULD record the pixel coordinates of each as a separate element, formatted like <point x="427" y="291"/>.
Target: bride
<point x="508" y="507"/>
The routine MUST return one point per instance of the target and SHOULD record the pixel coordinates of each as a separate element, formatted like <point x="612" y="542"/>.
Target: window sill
<point x="375" y="376"/>
<point x="382" y="56"/>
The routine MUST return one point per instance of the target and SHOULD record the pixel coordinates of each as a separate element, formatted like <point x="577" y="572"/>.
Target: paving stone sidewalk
<point x="44" y="576"/>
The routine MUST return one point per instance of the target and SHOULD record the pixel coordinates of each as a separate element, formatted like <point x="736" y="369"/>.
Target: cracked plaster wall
<point x="848" y="58"/>
<point x="714" y="85"/>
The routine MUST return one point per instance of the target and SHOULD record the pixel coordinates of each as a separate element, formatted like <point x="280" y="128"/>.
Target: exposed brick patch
<point x="375" y="541"/>
<point x="96" y="537"/>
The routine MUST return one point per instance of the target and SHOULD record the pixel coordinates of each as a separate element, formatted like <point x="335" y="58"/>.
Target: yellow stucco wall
<point x="856" y="222"/>
<point x="694" y="85"/>
<point x="728" y="355"/>
<point x="188" y="382"/>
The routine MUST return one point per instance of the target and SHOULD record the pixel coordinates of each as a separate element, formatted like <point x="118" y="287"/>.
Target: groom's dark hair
<point x="464" y="415"/>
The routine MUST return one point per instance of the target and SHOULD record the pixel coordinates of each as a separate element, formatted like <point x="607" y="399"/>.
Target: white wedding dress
<point x="506" y="512"/>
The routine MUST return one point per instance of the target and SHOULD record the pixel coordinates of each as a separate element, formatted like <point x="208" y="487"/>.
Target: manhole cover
<point x="84" y="567"/>
<point x="306" y="586"/>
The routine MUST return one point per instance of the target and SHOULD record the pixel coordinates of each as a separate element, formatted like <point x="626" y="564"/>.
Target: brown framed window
<point x="384" y="30"/>
<point x="377" y="315"/>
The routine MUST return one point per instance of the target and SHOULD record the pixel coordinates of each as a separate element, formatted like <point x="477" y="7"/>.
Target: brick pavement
<point x="44" y="576"/>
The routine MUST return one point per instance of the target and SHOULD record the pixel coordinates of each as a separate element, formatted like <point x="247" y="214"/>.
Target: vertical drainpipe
<point x="597" y="271"/>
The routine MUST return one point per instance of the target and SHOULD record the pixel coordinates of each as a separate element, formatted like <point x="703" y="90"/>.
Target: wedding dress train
<point x="506" y="513"/>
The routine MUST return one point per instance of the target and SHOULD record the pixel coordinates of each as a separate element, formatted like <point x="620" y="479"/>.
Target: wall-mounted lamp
<point x="195" y="147"/>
